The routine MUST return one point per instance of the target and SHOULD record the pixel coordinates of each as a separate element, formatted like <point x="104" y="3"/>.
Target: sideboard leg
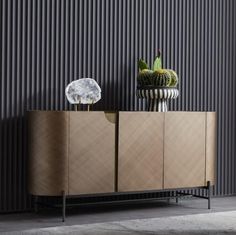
<point x="176" y="197"/>
<point x="209" y="194"/>
<point x="36" y="208"/>
<point x="63" y="206"/>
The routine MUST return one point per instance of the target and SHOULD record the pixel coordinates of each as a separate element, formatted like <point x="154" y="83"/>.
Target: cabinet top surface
<point x="64" y="111"/>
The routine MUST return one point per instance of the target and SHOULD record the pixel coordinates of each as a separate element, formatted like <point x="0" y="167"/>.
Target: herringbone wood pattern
<point x="92" y="153"/>
<point x="184" y="150"/>
<point x="140" y="163"/>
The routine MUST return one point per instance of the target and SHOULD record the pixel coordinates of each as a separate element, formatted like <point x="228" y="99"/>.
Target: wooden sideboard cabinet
<point x="84" y="153"/>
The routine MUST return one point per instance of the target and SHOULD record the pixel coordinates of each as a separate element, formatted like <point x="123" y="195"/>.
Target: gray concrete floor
<point x="87" y="214"/>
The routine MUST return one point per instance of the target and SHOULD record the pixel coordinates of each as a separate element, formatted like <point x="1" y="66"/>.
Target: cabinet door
<point x="91" y="152"/>
<point x="184" y="149"/>
<point x="140" y="161"/>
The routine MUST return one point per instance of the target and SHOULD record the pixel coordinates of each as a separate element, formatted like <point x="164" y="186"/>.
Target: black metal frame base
<point x="208" y="197"/>
<point x="178" y="194"/>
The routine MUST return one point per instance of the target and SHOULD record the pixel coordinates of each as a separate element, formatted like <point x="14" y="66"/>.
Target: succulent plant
<point x="142" y="65"/>
<point x="157" y="76"/>
<point x="157" y="62"/>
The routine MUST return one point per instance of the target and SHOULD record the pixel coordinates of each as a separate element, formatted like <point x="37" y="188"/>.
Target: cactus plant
<point x="157" y="85"/>
<point x="144" y="77"/>
<point x="161" y="78"/>
<point x="174" y="78"/>
<point x="157" y="76"/>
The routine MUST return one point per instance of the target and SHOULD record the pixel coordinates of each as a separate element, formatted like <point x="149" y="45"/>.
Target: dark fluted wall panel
<point x="45" y="44"/>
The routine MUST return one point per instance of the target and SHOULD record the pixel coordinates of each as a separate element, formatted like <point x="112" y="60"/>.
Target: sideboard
<point x="82" y="153"/>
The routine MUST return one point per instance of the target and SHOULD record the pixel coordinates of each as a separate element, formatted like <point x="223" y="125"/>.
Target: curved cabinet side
<point x="48" y="152"/>
<point x="211" y="148"/>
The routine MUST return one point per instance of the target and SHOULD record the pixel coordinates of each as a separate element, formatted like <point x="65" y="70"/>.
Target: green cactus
<point x="158" y="76"/>
<point x="144" y="77"/>
<point x="161" y="78"/>
<point x="174" y="78"/>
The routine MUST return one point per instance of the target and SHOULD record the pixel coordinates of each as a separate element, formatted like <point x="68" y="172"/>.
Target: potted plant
<point x="157" y="85"/>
